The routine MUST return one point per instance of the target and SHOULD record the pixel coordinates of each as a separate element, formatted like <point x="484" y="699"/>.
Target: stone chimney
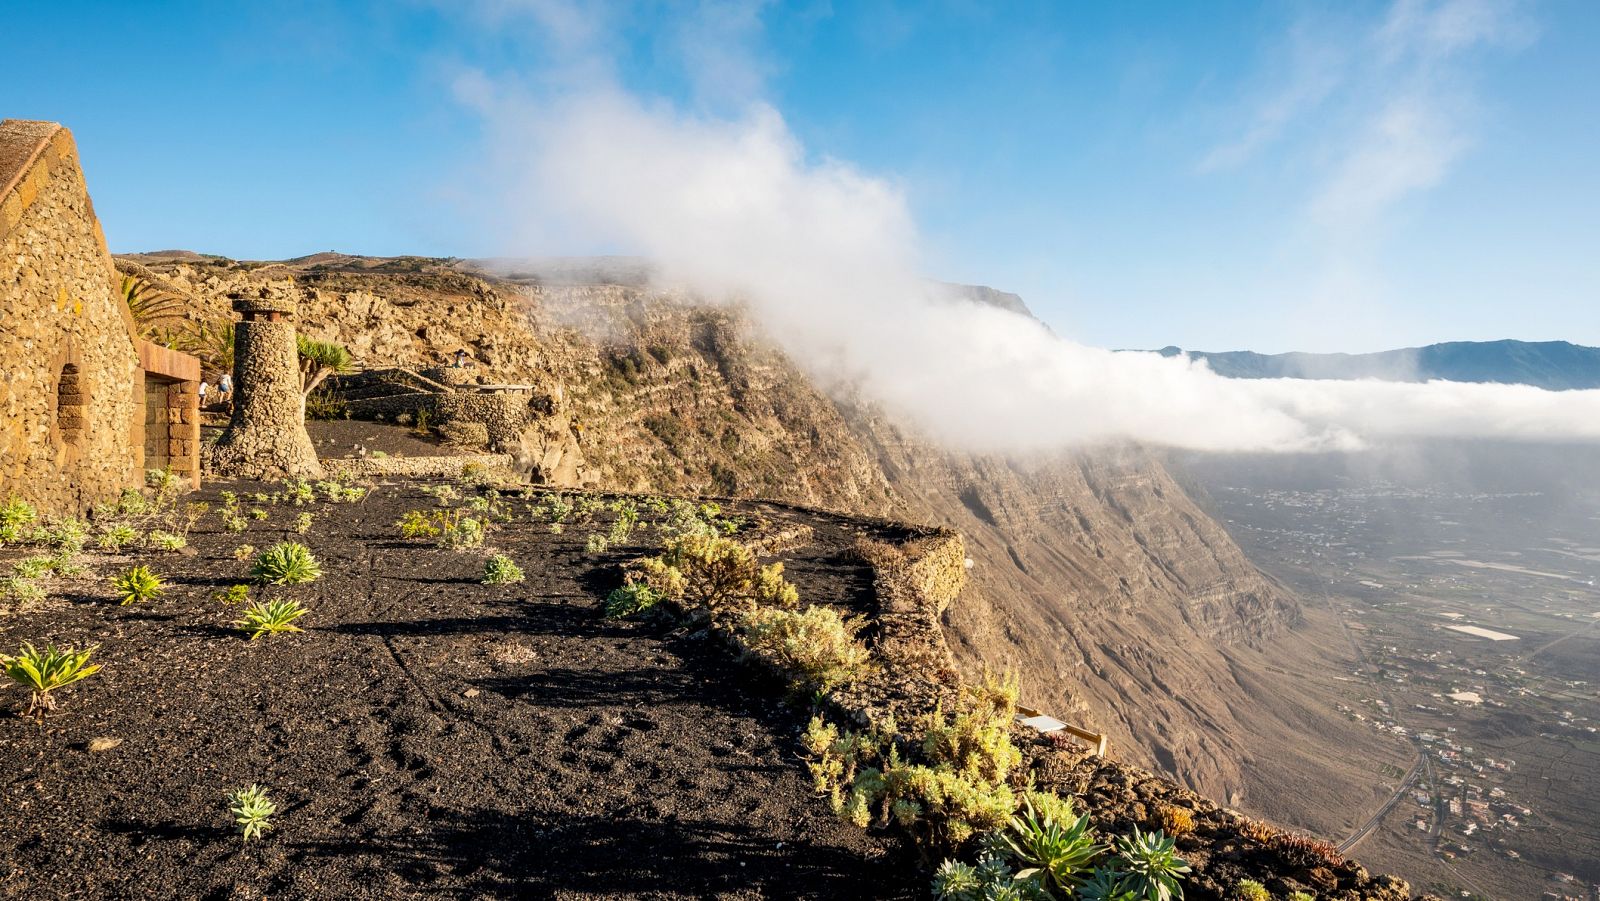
<point x="266" y="438"/>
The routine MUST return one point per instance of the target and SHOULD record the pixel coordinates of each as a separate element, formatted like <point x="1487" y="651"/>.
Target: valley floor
<point x="426" y="735"/>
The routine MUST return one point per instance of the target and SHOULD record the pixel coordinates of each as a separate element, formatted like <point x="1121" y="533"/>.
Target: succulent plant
<point x="286" y="563"/>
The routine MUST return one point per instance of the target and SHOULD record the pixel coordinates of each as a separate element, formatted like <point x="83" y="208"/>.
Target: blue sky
<point x="1342" y="176"/>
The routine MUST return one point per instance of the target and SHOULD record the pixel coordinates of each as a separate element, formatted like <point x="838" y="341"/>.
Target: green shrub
<point x="166" y="541"/>
<point x="719" y="574"/>
<point x="166" y="484"/>
<point x="340" y="493"/>
<point x="16" y="515"/>
<point x="1251" y="890"/>
<point x="1150" y="863"/>
<point x="303" y="523"/>
<point x="117" y="537"/>
<point x="596" y="544"/>
<point x="666" y="581"/>
<point x="501" y="570"/>
<point x="631" y="599"/>
<point x="773" y="590"/>
<point x="957" y="789"/>
<point x="299" y="492"/>
<point x="627" y="520"/>
<point x="416" y="524"/>
<point x="271" y="616"/>
<point x="252" y="811"/>
<point x="36" y="567"/>
<point x="444" y="494"/>
<point x="817" y="648"/>
<point x="459" y="532"/>
<point x="69" y="534"/>
<point x="138" y="585"/>
<point x="1302" y="896"/>
<point x="65" y="563"/>
<point x="25" y="592"/>
<point x="42" y="672"/>
<point x="233" y="595"/>
<point x="244" y="552"/>
<point x="286" y="563"/>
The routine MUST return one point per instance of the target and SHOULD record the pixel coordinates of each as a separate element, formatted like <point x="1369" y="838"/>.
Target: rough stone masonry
<point x="76" y="377"/>
<point x="266" y="438"/>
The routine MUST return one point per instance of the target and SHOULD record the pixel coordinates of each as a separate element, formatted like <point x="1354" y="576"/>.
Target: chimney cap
<point x="263" y="300"/>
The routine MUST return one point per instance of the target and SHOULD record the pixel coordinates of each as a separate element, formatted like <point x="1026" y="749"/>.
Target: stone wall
<point x="71" y="390"/>
<point x="504" y="415"/>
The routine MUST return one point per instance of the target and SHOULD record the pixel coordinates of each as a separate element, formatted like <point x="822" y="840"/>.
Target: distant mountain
<point x="1557" y="365"/>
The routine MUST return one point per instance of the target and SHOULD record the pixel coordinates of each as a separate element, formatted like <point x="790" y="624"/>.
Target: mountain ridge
<point x="1555" y="365"/>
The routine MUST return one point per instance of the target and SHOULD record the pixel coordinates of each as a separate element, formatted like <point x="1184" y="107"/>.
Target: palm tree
<point x="211" y="342"/>
<point x="149" y="305"/>
<point x="320" y="359"/>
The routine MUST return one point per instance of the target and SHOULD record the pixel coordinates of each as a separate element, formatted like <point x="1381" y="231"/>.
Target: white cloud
<point x="828" y="259"/>
<point x="1386" y="107"/>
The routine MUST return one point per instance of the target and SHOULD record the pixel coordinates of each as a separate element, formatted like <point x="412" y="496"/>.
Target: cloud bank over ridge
<point x="828" y="259"/>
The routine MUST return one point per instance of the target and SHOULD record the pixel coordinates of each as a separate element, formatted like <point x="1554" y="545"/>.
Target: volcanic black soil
<point x="426" y="735"/>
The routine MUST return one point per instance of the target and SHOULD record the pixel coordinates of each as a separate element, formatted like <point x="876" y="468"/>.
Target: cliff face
<point x="1121" y="602"/>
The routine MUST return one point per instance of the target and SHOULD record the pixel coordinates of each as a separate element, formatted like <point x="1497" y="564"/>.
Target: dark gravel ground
<point x="427" y="736"/>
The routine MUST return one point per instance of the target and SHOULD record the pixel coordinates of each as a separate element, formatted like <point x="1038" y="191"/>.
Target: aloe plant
<point x="44" y="671"/>
<point x="1060" y="853"/>
<point x="1106" y="884"/>
<point x="252" y="811"/>
<point x="286" y="563"/>
<point x="1151" y="865"/>
<point x="138" y="585"/>
<point x="271" y="616"/>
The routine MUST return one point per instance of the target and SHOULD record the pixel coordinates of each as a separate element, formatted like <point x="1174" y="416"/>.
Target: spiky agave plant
<point x="1151" y="865"/>
<point x="286" y="563"/>
<point x="271" y="616"/>
<point x="1061" y="852"/>
<point x="1106" y="884"/>
<point x="252" y="811"/>
<point x="44" y="671"/>
<point x="138" y="585"/>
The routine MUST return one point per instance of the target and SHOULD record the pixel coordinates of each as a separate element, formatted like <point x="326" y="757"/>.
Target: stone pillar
<point x="266" y="438"/>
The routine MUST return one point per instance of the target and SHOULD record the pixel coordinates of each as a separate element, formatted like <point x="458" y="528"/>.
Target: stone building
<point x="86" y="406"/>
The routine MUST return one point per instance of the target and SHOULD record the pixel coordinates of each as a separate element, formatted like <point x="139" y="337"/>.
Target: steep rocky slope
<point x="1124" y="605"/>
